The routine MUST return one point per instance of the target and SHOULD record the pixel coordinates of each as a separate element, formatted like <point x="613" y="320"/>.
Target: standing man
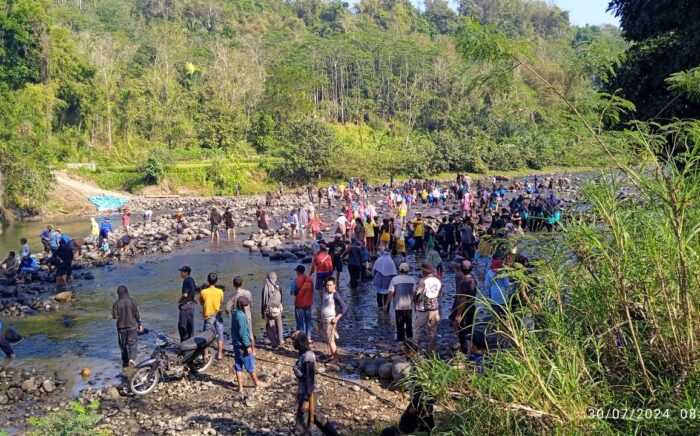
<point x="402" y="290"/>
<point x="185" y="322"/>
<point x="230" y="224"/>
<point x="330" y="315"/>
<point x="214" y="223"/>
<point x="232" y="303"/>
<point x="464" y="306"/>
<point x="303" y="292"/>
<point x="261" y="218"/>
<point x="418" y="232"/>
<point x="243" y="355"/>
<point x="355" y="263"/>
<point x="427" y="309"/>
<point x="211" y="299"/>
<point x="128" y="319"/>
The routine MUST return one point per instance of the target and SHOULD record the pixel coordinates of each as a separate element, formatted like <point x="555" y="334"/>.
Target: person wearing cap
<point x="243" y="355"/>
<point x="185" y="321"/>
<point x="303" y="291"/>
<point x="211" y="300"/>
<point x="464" y="306"/>
<point x="402" y="290"/>
<point x="427" y="308"/>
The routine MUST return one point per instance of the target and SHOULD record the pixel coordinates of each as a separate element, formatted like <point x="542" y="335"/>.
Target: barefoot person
<point x="243" y="355"/>
<point x="330" y="315"/>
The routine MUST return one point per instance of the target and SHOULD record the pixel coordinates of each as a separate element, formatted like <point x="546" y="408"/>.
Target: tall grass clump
<point x="603" y="333"/>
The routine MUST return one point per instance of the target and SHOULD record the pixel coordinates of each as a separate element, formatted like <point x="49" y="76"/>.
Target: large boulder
<point x="63" y="297"/>
<point x="400" y="370"/>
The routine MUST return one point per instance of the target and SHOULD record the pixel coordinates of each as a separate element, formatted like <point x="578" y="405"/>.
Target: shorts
<point x="243" y="360"/>
<point x="214" y="228"/>
<point x="217" y="324"/>
<point x="321" y="278"/>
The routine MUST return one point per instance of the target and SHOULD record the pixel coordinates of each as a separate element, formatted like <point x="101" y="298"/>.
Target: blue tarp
<point x="107" y="202"/>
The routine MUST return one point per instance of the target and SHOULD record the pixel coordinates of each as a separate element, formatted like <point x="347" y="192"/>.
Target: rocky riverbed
<point x="371" y="361"/>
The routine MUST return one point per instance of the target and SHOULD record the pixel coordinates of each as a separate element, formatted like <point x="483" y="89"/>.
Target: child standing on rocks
<point x="305" y="372"/>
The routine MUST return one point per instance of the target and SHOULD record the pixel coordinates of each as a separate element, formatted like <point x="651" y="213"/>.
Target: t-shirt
<point x="323" y="262"/>
<point x="418" y="228"/>
<point x="403" y="287"/>
<point x="211" y="299"/>
<point x="369" y="230"/>
<point x="304" y="296"/>
<point x="427" y="294"/>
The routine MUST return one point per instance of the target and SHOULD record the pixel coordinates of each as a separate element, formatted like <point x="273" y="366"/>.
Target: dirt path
<point x="64" y="181"/>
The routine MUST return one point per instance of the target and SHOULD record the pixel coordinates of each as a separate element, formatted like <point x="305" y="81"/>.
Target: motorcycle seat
<point x="199" y="341"/>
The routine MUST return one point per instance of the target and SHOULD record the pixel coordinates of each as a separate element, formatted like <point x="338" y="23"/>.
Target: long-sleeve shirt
<point x="126" y="313"/>
<point x="232" y="304"/>
<point x="329" y="307"/>
<point x="240" y="331"/>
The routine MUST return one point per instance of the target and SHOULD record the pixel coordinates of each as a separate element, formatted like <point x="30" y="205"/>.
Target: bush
<point x="305" y="150"/>
<point x="155" y="166"/>
<point x="78" y="420"/>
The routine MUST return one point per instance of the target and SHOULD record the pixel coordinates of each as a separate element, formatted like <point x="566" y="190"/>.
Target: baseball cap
<point x="186" y="269"/>
<point x="404" y="267"/>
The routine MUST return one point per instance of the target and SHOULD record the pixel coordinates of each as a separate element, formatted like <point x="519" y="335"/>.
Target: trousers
<point x="303" y="320"/>
<point x="128" y="339"/>
<point x="404" y="324"/>
<point x="185" y="322"/>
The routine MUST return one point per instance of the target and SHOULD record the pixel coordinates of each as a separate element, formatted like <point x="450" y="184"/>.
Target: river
<point x="83" y="335"/>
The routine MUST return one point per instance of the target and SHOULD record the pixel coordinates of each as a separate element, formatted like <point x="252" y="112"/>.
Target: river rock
<point x="111" y="393"/>
<point x="29" y="385"/>
<point x="370" y="368"/>
<point x="48" y="386"/>
<point x="400" y="370"/>
<point x="384" y="371"/>
<point x="4" y="399"/>
<point x="63" y="297"/>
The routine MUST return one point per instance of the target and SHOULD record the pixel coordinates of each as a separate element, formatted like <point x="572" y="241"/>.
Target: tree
<point x="23" y="36"/>
<point x="666" y="37"/>
<point x="441" y="16"/>
<point x="305" y="151"/>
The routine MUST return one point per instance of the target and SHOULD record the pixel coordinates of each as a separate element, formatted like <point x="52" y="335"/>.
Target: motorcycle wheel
<point x="144" y="380"/>
<point x="200" y="364"/>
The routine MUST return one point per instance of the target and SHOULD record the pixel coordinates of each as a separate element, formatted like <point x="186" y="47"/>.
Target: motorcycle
<point x="173" y="360"/>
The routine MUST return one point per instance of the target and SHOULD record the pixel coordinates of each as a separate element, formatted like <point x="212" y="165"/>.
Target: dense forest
<point x="294" y="90"/>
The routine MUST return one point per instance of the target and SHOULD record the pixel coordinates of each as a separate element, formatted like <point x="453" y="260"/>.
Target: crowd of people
<point x="398" y="239"/>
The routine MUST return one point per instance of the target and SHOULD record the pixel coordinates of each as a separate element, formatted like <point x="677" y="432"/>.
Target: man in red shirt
<point x="322" y="265"/>
<point x="303" y="300"/>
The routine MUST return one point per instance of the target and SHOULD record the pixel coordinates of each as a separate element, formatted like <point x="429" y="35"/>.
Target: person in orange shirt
<point x="303" y="291"/>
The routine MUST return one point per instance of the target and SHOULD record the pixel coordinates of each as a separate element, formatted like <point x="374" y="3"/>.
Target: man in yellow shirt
<point x="369" y="235"/>
<point x="211" y="299"/>
<point x="418" y="232"/>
